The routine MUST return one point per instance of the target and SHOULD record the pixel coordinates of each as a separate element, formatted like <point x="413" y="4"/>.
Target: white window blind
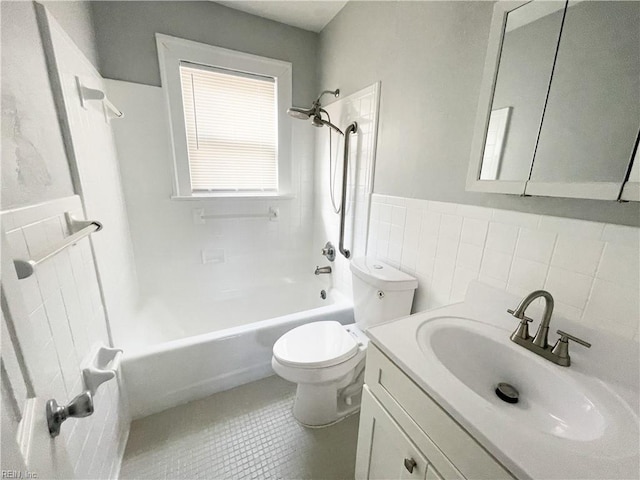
<point x="231" y="128"/>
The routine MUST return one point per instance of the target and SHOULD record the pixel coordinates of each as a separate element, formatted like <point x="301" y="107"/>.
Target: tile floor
<point x="247" y="432"/>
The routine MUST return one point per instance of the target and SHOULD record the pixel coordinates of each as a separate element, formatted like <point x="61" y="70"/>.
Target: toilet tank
<point x="380" y="292"/>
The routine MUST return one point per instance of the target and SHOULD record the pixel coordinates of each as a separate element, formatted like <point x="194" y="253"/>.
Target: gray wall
<point x="429" y="57"/>
<point x="34" y="162"/>
<point x="125" y="33"/>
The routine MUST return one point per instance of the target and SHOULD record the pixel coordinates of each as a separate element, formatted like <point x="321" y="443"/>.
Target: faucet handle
<point x="524" y="317"/>
<point x="561" y="348"/>
<point x="522" y="331"/>
<point x="564" y="336"/>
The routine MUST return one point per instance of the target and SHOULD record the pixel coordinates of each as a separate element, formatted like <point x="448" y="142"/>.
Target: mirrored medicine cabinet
<point x="559" y="108"/>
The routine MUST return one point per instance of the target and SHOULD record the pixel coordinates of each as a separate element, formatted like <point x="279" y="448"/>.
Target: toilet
<point x="326" y="359"/>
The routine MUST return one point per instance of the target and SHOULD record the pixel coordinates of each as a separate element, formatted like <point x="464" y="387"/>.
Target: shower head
<point x="300" y="113"/>
<point x="315" y="112"/>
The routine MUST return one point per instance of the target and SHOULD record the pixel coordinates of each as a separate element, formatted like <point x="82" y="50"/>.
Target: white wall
<point x="429" y="57"/>
<point x="91" y="149"/>
<point x="58" y="317"/>
<point x="169" y="245"/>
<point x="591" y="269"/>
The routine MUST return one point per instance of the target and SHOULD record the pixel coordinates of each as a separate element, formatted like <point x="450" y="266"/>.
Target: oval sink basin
<point x="478" y="356"/>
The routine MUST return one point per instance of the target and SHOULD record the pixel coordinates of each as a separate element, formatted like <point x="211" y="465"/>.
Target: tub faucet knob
<point x="329" y="251"/>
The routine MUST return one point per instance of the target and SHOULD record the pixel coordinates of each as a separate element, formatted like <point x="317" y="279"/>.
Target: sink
<point x="570" y="422"/>
<point x="552" y="400"/>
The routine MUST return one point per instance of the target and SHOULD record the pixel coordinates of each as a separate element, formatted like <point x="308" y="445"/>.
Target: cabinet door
<point x="384" y="450"/>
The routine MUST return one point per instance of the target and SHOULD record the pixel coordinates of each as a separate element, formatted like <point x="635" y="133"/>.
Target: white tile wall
<point x="592" y="269"/>
<point x="362" y="107"/>
<point x="94" y="164"/>
<point x="65" y="319"/>
<point x="169" y="246"/>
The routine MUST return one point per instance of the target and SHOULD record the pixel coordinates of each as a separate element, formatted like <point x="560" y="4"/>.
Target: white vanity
<point x="429" y="409"/>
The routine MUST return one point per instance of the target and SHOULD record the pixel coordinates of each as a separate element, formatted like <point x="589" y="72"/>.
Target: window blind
<point x="231" y="127"/>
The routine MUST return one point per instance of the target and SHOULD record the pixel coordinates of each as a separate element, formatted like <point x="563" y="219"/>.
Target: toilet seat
<point x="315" y="345"/>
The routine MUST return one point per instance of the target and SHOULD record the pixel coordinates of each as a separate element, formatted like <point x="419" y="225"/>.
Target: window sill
<point x="217" y="196"/>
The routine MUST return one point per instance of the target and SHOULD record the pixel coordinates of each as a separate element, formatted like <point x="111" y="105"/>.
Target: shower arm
<point x="352" y="128"/>
<point x="335" y="93"/>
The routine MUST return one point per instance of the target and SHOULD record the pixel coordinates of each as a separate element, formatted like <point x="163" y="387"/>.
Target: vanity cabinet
<point x="402" y="427"/>
<point x="391" y="453"/>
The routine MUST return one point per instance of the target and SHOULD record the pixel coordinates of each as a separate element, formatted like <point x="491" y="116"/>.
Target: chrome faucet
<point x="559" y="353"/>
<point x="542" y="335"/>
<point x="320" y="270"/>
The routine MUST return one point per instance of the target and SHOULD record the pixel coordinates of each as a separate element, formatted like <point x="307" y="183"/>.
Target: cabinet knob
<point x="409" y="464"/>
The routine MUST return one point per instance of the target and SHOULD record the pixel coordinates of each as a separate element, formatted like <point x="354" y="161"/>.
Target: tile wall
<point x="88" y="134"/>
<point x="592" y="269"/>
<point x="361" y="107"/>
<point x="189" y="265"/>
<point x="65" y="320"/>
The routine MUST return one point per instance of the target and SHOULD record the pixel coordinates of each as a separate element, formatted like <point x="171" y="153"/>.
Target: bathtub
<point x="194" y="365"/>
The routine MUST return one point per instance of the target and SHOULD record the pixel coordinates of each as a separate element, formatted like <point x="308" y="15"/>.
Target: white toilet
<point x="326" y="359"/>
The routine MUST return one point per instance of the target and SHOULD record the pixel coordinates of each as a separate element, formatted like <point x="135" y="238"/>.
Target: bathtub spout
<point x="320" y="270"/>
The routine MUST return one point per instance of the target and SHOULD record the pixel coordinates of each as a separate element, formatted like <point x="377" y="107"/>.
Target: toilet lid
<point x="315" y="345"/>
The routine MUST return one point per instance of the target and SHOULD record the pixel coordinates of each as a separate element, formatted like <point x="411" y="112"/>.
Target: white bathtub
<point x="195" y="364"/>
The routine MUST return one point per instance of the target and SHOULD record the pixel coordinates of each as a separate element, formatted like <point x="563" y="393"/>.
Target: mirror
<point x="593" y="111"/>
<point x="559" y="109"/>
<point x="529" y="44"/>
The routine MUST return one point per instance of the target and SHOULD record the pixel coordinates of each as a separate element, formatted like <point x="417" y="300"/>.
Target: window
<point x="227" y="109"/>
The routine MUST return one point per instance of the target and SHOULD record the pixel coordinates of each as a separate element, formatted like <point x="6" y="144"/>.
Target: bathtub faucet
<point x="320" y="270"/>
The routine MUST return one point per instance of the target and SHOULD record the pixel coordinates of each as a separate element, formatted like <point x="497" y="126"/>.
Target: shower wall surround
<point x="58" y="312"/>
<point x="63" y="320"/>
<point x="591" y="269"/>
<point x="94" y="165"/>
<point x="184" y="266"/>
<point x="361" y="107"/>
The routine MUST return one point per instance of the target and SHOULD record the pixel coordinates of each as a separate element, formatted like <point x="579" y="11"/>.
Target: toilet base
<point x="321" y="405"/>
<point x="355" y="411"/>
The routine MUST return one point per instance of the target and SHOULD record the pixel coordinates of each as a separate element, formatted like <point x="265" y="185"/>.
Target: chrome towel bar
<point x="199" y="216"/>
<point x="81" y="229"/>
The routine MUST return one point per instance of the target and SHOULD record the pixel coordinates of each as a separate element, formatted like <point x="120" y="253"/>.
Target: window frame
<point x="171" y="52"/>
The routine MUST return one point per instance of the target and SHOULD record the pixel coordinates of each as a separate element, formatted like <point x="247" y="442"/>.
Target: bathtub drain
<point x="323" y="294"/>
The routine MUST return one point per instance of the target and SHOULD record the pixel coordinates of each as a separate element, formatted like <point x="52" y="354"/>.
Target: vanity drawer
<point x="439" y="437"/>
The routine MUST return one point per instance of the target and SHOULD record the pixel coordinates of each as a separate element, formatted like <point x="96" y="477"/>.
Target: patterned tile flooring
<point x="246" y="432"/>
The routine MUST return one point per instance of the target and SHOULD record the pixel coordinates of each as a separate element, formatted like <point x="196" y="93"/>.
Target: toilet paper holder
<point x="101" y="367"/>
